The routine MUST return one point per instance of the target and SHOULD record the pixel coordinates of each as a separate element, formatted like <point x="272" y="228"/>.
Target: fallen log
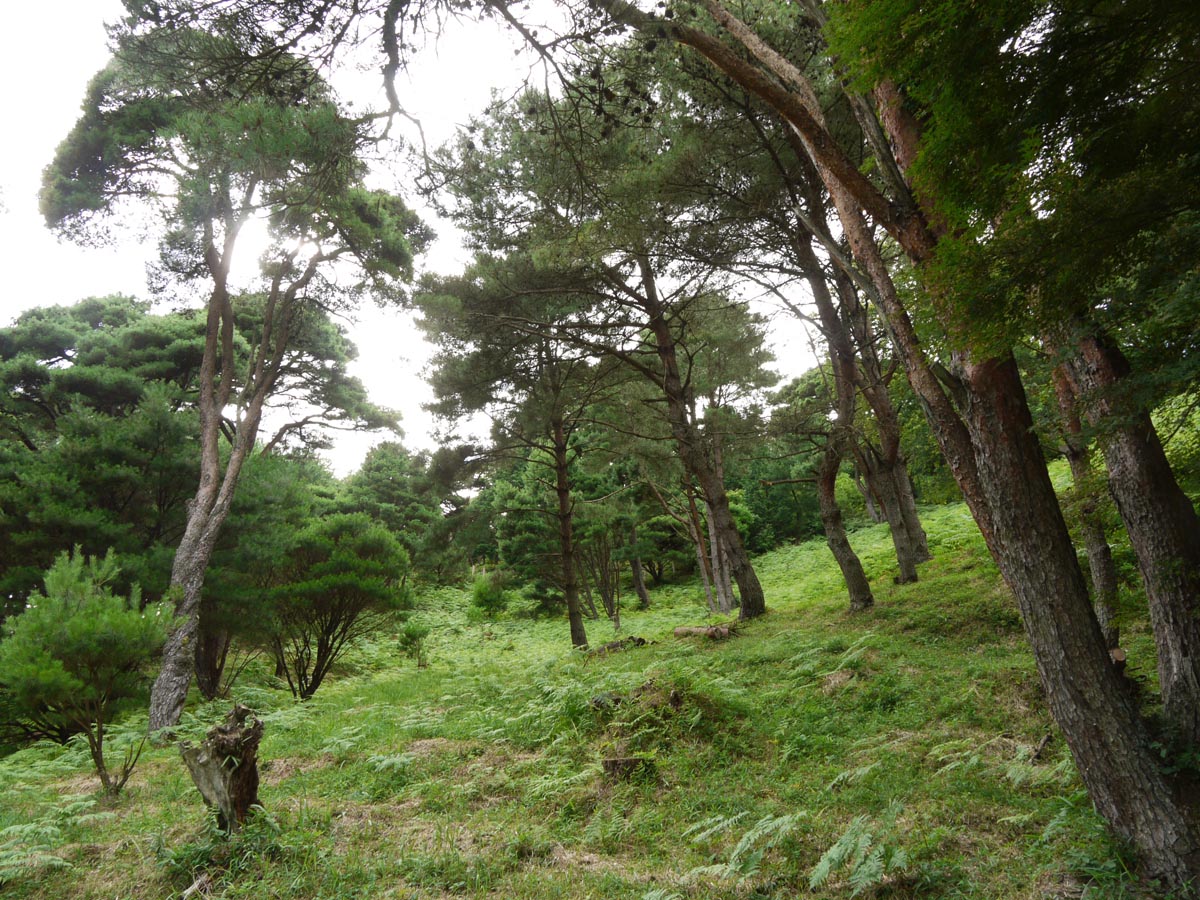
<point x="623" y="644"/>
<point x="712" y="632"/>
<point x="225" y="766"/>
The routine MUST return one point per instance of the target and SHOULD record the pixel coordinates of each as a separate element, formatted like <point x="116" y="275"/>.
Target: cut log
<point x="713" y="632"/>
<point x="225" y="766"/>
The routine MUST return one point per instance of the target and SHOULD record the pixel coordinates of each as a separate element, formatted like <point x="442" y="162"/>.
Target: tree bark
<point x="857" y="585"/>
<point x="566" y="535"/>
<point x="225" y="767"/>
<point x="1162" y="525"/>
<point x="1091" y="525"/>
<point x="691" y="452"/>
<point x="704" y="564"/>
<point x="1099" y="716"/>
<point x="635" y="571"/>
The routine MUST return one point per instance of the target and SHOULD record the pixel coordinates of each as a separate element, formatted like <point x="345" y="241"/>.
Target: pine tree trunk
<point x="1083" y="688"/>
<point x="1162" y="525"/>
<point x="696" y="531"/>
<point x="566" y="536"/>
<point x="908" y="509"/>
<point x="690" y="445"/>
<point x="639" y="580"/>
<point x="835" y="531"/>
<point x="721" y="580"/>
<point x="1091" y="524"/>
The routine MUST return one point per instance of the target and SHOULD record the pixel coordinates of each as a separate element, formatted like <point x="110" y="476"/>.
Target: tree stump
<point x="225" y="766"/>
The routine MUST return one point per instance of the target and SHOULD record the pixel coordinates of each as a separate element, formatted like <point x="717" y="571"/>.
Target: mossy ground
<point x="915" y="731"/>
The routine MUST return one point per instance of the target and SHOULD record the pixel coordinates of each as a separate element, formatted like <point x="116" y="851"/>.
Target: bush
<point x="412" y="641"/>
<point x="77" y="651"/>
<point x="489" y="595"/>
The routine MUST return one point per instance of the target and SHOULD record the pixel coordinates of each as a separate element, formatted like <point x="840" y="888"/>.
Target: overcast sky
<point x="45" y="66"/>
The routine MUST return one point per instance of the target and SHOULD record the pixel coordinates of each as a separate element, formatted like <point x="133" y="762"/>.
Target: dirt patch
<point x="273" y="772"/>
<point x="566" y="859"/>
<point x="432" y="746"/>
<point x="835" y="681"/>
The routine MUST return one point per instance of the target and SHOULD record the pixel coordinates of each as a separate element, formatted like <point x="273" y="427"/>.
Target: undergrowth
<point x="899" y="753"/>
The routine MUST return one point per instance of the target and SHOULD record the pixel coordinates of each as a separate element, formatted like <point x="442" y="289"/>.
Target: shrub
<point x="77" y="651"/>
<point x="488" y="594"/>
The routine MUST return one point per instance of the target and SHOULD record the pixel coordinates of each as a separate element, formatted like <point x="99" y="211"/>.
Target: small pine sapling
<point x="79" y="650"/>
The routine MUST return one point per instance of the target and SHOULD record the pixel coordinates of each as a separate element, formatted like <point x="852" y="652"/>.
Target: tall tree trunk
<point x="212" y="650"/>
<point x="1091" y="524"/>
<point x="845" y="364"/>
<point x="1083" y="688"/>
<point x="635" y="570"/>
<point x="209" y="508"/>
<point x="566" y="534"/>
<point x="696" y="530"/>
<point x="997" y="464"/>
<point x="721" y="580"/>
<point x="835" y="530"/>
<point x="1162" y="524"/>
<point x="692" y="454"/>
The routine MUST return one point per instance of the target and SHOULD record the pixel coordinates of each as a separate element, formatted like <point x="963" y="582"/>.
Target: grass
<point x="900" y="753"/>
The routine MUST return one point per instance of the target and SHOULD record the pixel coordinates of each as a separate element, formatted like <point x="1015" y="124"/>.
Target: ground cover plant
<point x="902" y="752"/>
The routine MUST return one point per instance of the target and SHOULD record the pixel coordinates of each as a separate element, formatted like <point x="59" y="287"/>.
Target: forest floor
<point x="904" y="752"/>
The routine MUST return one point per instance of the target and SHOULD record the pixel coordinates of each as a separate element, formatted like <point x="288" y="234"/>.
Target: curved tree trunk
<point x="1036" y="556"/>
<point x="835" y="531"/>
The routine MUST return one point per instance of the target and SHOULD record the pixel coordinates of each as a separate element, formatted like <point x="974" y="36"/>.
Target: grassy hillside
<point x="904" y="752"/>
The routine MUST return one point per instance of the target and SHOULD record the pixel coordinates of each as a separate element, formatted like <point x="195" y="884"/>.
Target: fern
<point x="661" y="894"/>
<point x="864" y="851"/>
<point x="395" y="762"/>
<point x="27" y="848"/>
<point x="745" y="860"/>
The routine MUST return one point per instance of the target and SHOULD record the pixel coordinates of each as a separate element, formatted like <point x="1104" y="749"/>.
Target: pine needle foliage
<point x="78" y="651"/>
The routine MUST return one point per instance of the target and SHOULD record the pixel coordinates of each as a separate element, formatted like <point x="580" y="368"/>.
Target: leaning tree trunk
<point x="878" y="468"/>
<point x="1083" y="688"/>
<point x="1091" y="524"/>
<point x="566" y="535"/>
<point x="1163" y="528"/>
<point x="835" y="530"/>
<point x="689" y="443"/>
<point x="881" y="476"/>
<point x="997" y="464"/>
<point x="209" y="508"/>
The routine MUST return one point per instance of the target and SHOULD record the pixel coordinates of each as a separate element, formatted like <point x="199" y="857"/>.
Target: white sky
<point x="45" y="67"/>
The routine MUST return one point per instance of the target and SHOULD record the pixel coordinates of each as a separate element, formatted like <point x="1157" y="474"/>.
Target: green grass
<point x="894" y="753"/>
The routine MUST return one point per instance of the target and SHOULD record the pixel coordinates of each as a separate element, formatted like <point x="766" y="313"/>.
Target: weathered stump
<point x="225" y="766"/>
